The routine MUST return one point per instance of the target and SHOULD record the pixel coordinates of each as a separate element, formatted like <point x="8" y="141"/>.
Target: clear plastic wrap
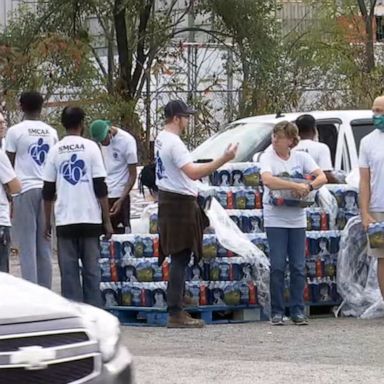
<point x="353" y="179"/>
<point x="231" y="238"/>
<point x="147" y="222"/>
<point x="328" y="202"/>
<point x="357" y="275"/>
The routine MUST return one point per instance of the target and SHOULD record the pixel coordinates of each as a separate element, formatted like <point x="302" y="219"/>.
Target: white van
<point x="342" y="131"/>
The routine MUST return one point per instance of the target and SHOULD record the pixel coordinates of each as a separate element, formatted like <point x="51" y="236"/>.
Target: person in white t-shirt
<point x="319" y="152"/>
<point x="181" y="220"/>
<point x="286" y="225"/>
<point x="371" y="163"/>
<point x="120" y="157"/>
<point x="3" y="130"/>
<point x="9" y="184"/>
<point x="27" y="145"/>
<point x="76" y="174"/>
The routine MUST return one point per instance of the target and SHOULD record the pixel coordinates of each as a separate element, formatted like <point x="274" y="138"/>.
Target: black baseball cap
<point x="177" y="108"/>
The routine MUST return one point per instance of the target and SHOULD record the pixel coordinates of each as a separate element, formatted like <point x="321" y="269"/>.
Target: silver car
<point x="46" y="339"/>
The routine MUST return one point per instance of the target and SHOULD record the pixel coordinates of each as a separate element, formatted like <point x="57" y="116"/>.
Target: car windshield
<point x="252" y="138"/>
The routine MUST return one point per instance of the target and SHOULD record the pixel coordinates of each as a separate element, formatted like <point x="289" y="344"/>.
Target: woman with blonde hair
<point x="286" y="225"/>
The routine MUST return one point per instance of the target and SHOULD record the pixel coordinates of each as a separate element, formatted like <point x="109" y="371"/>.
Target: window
<point x="328" y="134"/>
<point x="252" y="138"/>
<point x="380" y="28"/>
<point x="360" y="129"/>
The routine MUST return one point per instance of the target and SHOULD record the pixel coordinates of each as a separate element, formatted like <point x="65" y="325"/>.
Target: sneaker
<point x="300" y="319"/>
<point x="184" y="320"/>
<point x="277" y="320"/>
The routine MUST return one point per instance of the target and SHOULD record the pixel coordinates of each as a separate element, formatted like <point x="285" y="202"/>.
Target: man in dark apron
<point x="181" y="220"/>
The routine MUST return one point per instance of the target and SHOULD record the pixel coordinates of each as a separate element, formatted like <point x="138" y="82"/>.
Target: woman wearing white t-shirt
<point x="285" y="226"/>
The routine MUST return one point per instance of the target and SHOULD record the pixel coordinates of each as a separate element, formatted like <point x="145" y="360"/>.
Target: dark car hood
<point x="22" y="301"/>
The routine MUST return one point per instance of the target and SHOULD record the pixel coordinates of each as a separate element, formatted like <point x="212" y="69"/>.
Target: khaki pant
<point x="377" y="252"/>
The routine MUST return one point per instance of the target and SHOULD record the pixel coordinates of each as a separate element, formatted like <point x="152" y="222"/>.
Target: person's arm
<point x="320" y="179"/>
<point x="13" y="186"/>
<point x="117" y="205"/>
<point x="198" y="171"/>
<point x="365" y="197"/>
<point x="365" y="183"/>
<point x="331" y="178"/>
<point x="101" y="192"/>
<point x="8" y="177"/>
<point x="49" y="194"/>
<point x="100" y="188"/>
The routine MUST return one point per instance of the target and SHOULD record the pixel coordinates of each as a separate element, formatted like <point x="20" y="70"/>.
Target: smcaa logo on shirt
<point x="39" y="151"/>
<point x="160" y="169"/>
<point x="73" y="170"/>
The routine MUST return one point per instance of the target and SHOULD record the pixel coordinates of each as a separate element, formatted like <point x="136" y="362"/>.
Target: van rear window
<point x="360" y="129"/>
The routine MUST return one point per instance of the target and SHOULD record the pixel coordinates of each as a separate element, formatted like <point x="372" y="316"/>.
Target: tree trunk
<point x="369" y="17"/>
<point x="111" y="61"/>
<point x="125" y="59"/>
<point x="370" y="43"/>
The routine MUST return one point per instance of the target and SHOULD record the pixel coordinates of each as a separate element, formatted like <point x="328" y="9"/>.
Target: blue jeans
<point x="69" y="251"/>
<point x="287" y="243"/>
<point x="35" y="250"/>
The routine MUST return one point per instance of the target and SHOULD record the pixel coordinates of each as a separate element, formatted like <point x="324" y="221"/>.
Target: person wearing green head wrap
<point x="120" y="157"/>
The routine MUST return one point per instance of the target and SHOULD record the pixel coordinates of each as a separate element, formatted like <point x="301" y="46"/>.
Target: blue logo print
<point x="39" y="151"/>
<point x="73" y="170"/>
<point x="160" y="169"/>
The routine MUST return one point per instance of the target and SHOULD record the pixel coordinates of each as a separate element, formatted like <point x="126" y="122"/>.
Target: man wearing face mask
<point x="371" y="163"/>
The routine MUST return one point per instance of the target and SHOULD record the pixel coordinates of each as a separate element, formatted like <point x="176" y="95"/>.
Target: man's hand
<point x="108" y="230"/>
<point x="367" y="219"/>
<point x="116" y="207"/>
<point x="230" y="152"/>
<point x="48" y="231"/>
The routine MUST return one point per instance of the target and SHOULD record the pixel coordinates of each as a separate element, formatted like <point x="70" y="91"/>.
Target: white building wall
<point x="7" y="7"/>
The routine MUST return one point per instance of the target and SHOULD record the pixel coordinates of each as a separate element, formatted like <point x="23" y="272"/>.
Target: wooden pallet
<point x="141" y="316"/>
<point x="321" y="309"/>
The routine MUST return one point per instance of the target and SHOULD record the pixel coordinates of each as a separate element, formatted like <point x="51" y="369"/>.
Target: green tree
<point x="253" y="30"/>
<point x="43" y="60"/>
<point x="133" y="32"/>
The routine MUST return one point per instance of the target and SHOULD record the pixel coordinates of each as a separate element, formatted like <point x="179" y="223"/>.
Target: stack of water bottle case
<point x="131" y="275"/>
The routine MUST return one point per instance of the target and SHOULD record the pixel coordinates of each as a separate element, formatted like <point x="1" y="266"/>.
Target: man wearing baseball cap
<point x="120" y="157"/>
<point x="181" y="220"/>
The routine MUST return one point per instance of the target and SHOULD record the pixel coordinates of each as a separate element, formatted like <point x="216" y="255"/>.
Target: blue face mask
<point x="378" y="122"/>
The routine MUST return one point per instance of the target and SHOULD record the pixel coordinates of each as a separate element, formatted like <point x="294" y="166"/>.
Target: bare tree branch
<point x="151" y="53"/>
<point x="362" y="7"/>
<point x="140" y="52"/>
<point x="98" y="60"/>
